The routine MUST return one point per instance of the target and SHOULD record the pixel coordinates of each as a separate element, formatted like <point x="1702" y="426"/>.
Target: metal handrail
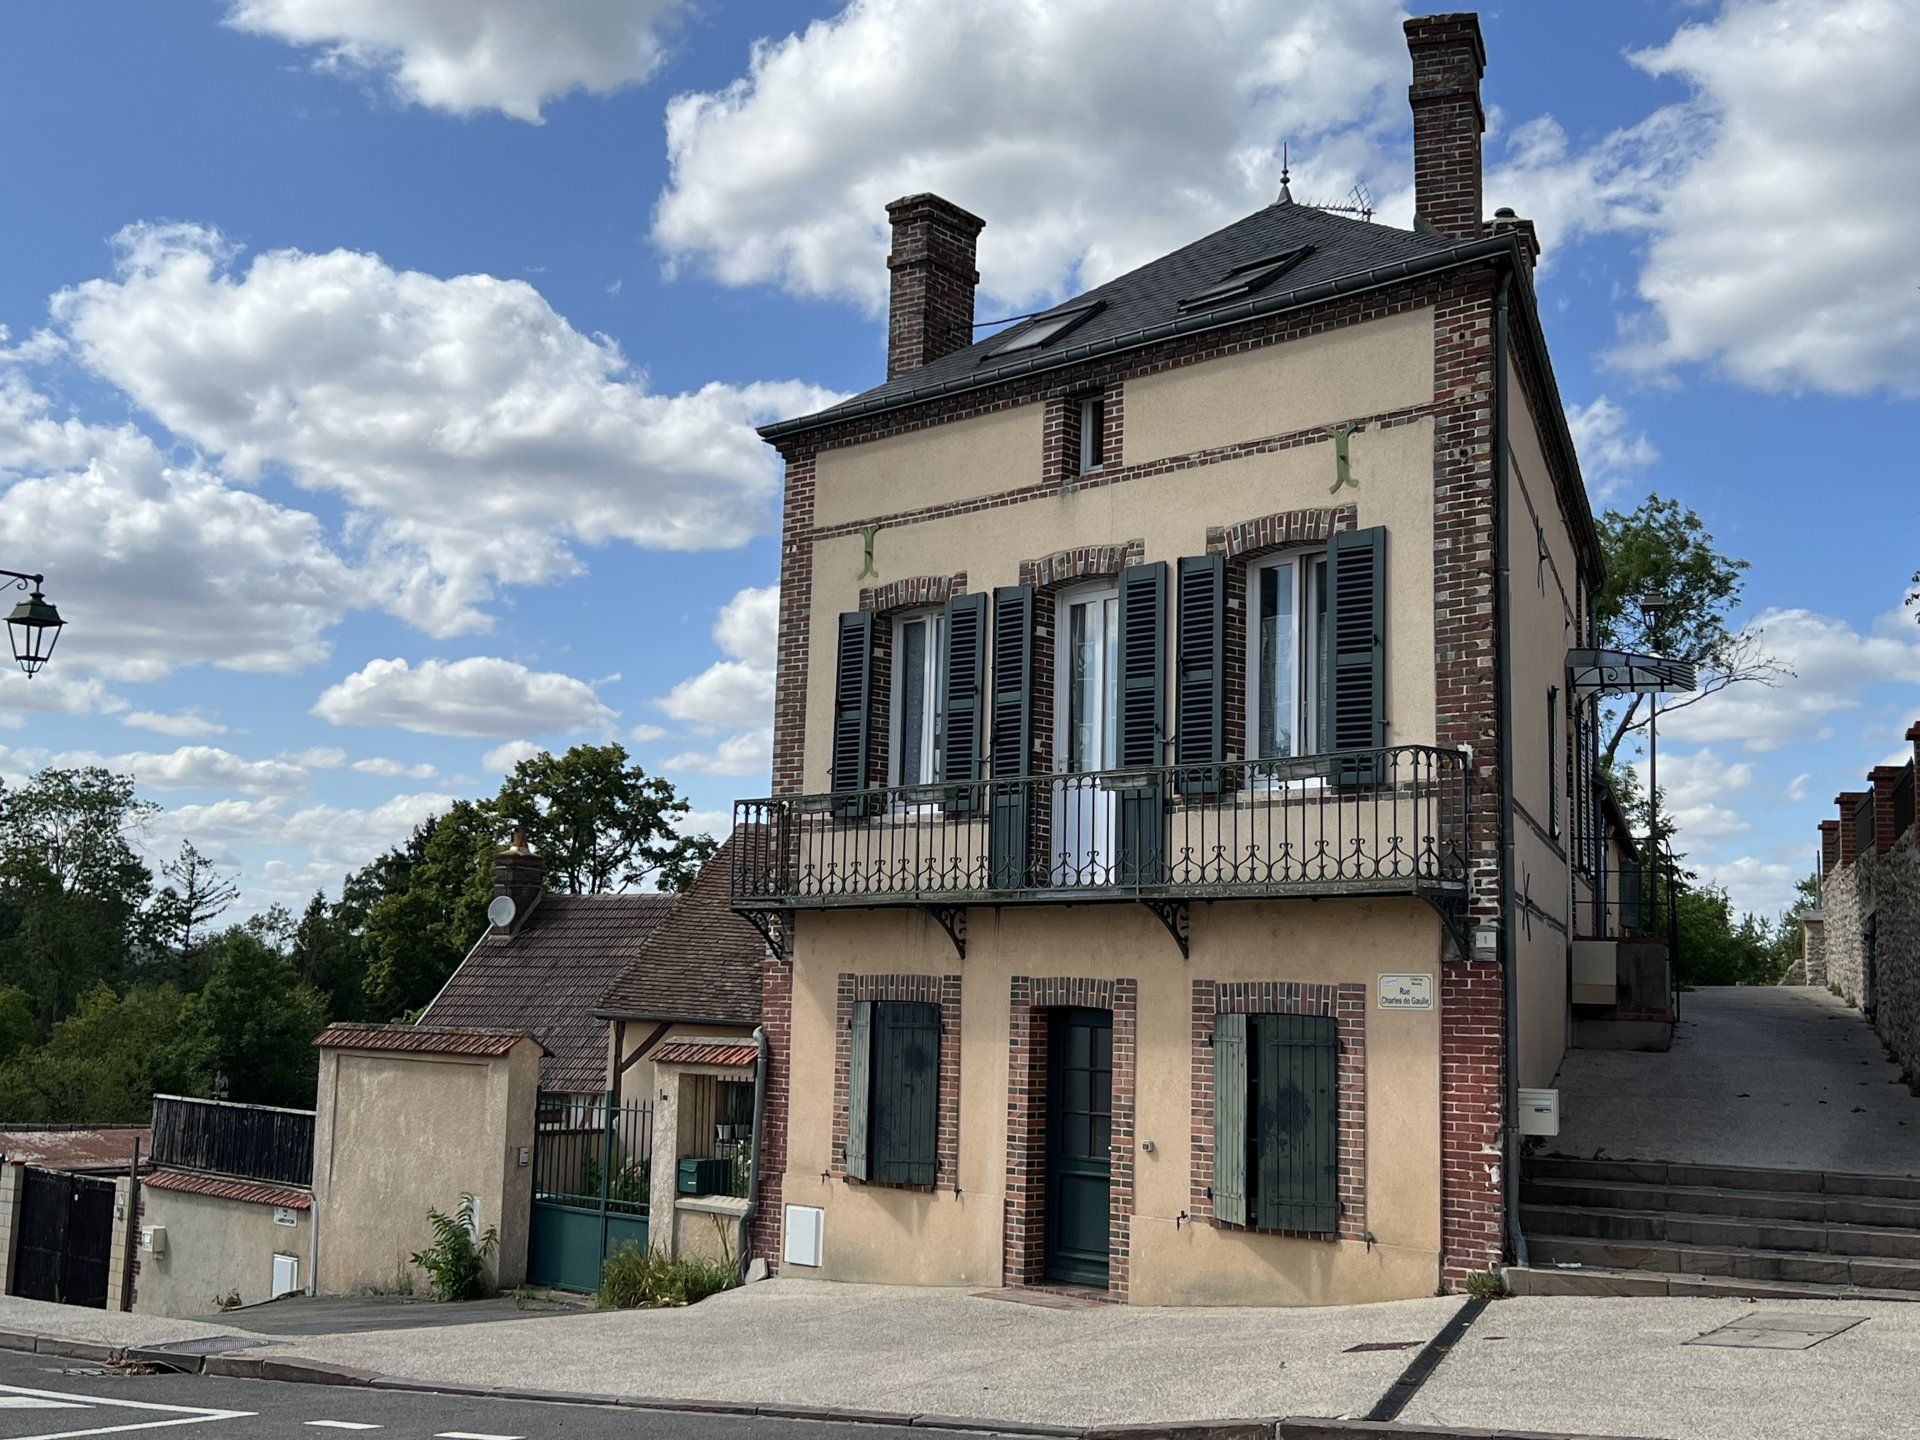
<point x="1392" y="820"/>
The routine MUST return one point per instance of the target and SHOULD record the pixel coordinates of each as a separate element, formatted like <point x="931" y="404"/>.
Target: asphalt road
<point x="45" y="1398"/>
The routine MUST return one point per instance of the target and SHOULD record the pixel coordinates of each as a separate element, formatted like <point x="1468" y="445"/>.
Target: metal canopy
<point x="1617" y="672"/>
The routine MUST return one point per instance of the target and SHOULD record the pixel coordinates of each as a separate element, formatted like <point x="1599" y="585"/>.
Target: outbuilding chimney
<point x="519" y="875"/>
<point x="930" y="309"/>
<point x="1448" y="61"/>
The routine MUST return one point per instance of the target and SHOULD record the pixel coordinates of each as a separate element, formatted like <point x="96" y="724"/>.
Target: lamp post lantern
<point x="34" y="625"/>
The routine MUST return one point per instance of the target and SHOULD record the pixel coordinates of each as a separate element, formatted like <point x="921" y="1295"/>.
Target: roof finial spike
<point x="1286" y="177"/>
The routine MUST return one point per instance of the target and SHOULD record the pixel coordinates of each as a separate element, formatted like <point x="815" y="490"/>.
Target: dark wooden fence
<point x="250" y="1142"/>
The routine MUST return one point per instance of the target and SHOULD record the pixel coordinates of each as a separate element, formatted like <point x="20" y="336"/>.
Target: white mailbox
<point x="1539" y="1112"/>
<point x="153" y="1240"/>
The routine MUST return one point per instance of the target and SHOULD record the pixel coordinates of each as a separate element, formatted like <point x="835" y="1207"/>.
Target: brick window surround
<point x="1024" y="1257"/>
<point x="916" y="592"/>
<point x="1347" y="1005"/>
<point x="941" y="990"/>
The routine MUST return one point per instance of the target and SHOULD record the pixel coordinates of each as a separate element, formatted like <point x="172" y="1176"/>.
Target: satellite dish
<point x="500" y="911"/>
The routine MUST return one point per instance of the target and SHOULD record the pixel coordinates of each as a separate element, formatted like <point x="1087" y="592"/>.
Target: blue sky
<point x="379" y="375"/>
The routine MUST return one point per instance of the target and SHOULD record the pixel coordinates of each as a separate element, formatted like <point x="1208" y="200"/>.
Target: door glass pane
<point x="1279" y="632"/>
<point x="1083" y="689"/>
<point x="912" y="700"/>
<point x="1316" y="687"/>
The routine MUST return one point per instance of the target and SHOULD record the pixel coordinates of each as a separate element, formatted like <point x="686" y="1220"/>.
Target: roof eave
<point x="675" y="1019"/>
<point x="1491" y="247"/>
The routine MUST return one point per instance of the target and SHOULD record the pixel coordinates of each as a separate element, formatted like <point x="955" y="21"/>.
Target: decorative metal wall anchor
<point x="867" y="532"/>
<point x="1342" y="465"/>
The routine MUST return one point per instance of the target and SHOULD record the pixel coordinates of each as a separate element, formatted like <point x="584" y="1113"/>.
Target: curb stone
<point x="165" y="1359"/>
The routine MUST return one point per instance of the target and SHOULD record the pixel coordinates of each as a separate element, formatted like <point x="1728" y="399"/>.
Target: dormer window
<point x="1093" y="434"/>
<point x="1045" y="330"/>
<point x="1247" y="279"/>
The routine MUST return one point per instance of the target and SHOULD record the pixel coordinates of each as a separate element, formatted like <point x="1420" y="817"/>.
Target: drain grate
<point x="1777" y="1330"/>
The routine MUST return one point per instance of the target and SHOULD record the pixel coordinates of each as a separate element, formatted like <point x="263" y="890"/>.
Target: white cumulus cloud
<point x="1091" y="135"/>
<point x="181" y="724"/>
<point x="482" y="695"/>
<point x="476" y="437"/>
<point x="738" y="690"/>
<point x="463" y="56"/>
<point x="1611" y="453"/>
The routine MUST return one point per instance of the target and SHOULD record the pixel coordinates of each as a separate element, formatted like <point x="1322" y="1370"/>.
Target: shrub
<point x="631" y="1278"/>
<point x="456" y="1260"/>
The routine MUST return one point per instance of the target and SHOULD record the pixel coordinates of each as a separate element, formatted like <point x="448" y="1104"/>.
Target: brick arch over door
<point x="1024" y="1254"/>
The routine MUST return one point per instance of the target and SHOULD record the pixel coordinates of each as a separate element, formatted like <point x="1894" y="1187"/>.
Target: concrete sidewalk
<point x="1573" y="1365"/>
<point x="1780" y="1077"/>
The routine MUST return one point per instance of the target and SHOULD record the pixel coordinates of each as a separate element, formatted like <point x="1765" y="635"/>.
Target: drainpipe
<point x="1503" y="715"/>
<point x="759" y="1116"/>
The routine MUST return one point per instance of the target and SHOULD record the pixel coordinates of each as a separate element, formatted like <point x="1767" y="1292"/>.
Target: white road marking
<point x="181" y="1414"/>
<point x="342" y="1425"/>
<point x="472" y="1435"/>
<point x="31" y="1402"/>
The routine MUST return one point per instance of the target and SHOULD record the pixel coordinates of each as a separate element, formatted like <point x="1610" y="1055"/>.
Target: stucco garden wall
<point x="214" y="1248"/>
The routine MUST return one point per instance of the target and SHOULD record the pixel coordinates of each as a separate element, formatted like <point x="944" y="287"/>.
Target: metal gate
<point x="65" y="1238"/>
<point x="592" y="1163"/>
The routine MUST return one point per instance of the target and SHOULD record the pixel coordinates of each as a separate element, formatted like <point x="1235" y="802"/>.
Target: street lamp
<point x="34" y="625"/>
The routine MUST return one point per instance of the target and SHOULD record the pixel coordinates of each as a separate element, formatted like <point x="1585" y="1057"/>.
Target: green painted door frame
<point x="1079" y="1145"/>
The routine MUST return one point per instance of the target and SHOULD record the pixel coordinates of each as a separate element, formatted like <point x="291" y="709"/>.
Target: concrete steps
<point x="1623" y="1227"/>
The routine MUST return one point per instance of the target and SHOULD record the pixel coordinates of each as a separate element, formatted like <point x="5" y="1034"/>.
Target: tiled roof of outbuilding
<point x="546" y="977"/>
<point x="705" y="1052"/>
<point x="420" y="1039"/>
<point x="703" y="963"/>
<point x="1150" y="296"/>
<point x="249" y="1191"/>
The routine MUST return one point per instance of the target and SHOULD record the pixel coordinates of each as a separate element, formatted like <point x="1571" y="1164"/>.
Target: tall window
<point x="1286" y="631"/>
<point x="1093" y="437"/>
<point x="916" y="688"/>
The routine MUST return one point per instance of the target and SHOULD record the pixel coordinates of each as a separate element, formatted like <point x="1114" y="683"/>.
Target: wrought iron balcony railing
<point x="1390" y="821"/>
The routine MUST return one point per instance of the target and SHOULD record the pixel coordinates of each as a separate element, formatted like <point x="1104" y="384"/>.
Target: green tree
<point x="184" y="911"/>
<point x="104" y="1063"/>
<point x="259" y="1019"/>
<point x="18" y="1028"/>
<point x="415" y="936"/>
<point x="1663" y="549"/>
<point x="600" y="823"/>
<point x="1718" y="948"/>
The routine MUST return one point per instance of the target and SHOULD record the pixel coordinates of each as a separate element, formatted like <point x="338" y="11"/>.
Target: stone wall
<point x="1873" y="890"/>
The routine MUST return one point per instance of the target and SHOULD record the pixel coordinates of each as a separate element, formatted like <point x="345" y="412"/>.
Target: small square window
<point x="1093" y="434"/>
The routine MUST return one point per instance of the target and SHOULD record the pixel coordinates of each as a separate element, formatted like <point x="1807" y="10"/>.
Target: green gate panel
<point x="563" y="1247"/>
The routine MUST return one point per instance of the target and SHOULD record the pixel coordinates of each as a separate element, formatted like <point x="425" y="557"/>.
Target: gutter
<point x="1473" y="251"/>
<point x="753" y="1163"/>
<point x="1503" y="716"/>
<point x="734" y="1020"/>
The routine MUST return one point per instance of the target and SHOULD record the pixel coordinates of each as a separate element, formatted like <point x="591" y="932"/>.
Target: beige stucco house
<point x="1179" y="816"/>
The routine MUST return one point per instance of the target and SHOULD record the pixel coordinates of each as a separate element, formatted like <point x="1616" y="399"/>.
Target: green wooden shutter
<point x="1141" y="725"/>
<point x="1011" y="735"/>
<point x="906" y="1092"/>
<point x="962" y="674"/>
<point x="859" y="1090"/>
<point x="1230" y="1087"/>
<point x="852" y="691"/>
<point x="1296" y="1122"/>
<point x="1200" y="690"/>
<point x="1355" y="712"/>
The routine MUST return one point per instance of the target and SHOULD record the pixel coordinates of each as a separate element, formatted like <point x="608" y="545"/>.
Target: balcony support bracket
<point x="1453" y="919"/>
<point x="776" y="926"/>
<point x="1173" y="915"/>
<point x="953" y="920"/>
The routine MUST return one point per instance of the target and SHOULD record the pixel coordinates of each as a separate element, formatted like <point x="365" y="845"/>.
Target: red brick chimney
<point x="1829" y="845"/>
<point x="1448" y="61"/>
<point x="930" y="310"/>
<point x="519" y="875"/>
<point x="1883" y="778"/>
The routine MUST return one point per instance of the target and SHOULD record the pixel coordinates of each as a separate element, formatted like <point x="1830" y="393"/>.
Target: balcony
<point x="1366" y="822"/>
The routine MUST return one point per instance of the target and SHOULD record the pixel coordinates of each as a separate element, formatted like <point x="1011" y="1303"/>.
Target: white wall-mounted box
<point x="1539" y="1112"/>
<point x="805" y="1229"/>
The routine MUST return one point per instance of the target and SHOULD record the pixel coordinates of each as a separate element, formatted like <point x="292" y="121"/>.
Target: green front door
<point x="1079" y="1140"/>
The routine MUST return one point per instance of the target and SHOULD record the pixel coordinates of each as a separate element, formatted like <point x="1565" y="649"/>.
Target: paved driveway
<point x="1781" y="1077"/>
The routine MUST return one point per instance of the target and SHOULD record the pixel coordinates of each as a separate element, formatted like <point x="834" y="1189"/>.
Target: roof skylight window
<point x="1047" y="329"/>
<point x="1247" y="279"/>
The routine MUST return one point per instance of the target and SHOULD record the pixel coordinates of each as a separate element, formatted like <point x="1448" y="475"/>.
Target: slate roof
<point x="1149" y="297"/>
<point x="249" y="1191"/>
<point x="546" y="977"/>
<point x="703" y="963"/>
